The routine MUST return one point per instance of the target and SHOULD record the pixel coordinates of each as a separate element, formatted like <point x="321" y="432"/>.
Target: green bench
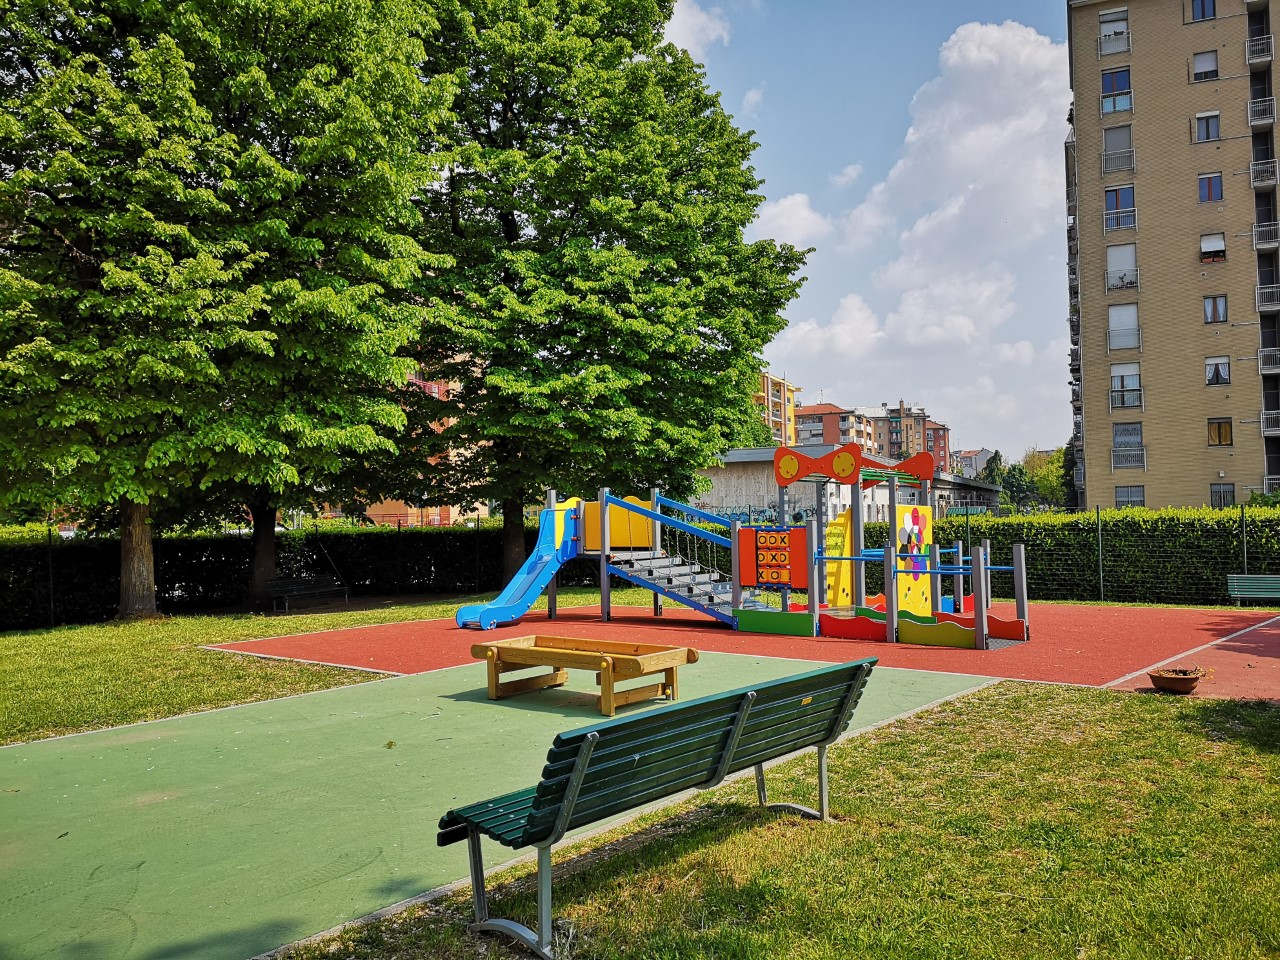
<point x="1253" y="586"/>
<point x="610" y="768"/>
<point x="283" y="589"/>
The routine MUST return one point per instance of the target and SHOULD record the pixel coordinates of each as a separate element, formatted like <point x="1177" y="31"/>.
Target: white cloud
<point x="697" y="29"/>
<point x="791" y="220"/>
<point x="847" y="176"/>
<point x="960" y="248"/>
<point x="751" y="101"/>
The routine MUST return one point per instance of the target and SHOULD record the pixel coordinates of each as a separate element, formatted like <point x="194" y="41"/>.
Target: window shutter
<point x="1205" y="62"/>
<point x="1213" y="243"/>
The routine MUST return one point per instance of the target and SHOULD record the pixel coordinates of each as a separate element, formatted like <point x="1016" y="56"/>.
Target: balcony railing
<point x="1077" y="476"/>
<point x="1114" y="161"/>
<point x="1071" y="197"/>
<point x="1123" y="278"/>
<point x="1266" y="236"/>
<point x="1119" y="102"/>
<point x="1126" y="338"/>
<point x="1262" y="173"/>
<point x="1128" y="458"/>
<point x="1268" y="297"/>
<point x="1270" y="484"/>
<point x="1126" y="219"/>
<point x="1126" y="399"/>
<point x="1258" y="50"/>
<point x="1269" y="360"/>
<point x="1270" y="423"/>
<point x="1114" y="43"/>
<point x="1262" y="112"/>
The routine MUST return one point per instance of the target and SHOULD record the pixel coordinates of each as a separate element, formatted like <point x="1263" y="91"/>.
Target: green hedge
<point x="1148" y="556"/>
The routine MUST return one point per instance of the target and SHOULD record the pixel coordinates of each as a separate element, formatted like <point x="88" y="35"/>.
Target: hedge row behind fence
<point x="1147" y="556"/>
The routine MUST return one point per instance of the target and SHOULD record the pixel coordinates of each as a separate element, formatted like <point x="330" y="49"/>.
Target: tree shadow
<point x="1255" y="723"/>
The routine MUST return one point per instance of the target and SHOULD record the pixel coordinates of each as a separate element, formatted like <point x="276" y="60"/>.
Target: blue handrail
<point x="719" y="541"/>
<point x="687" y="510"/>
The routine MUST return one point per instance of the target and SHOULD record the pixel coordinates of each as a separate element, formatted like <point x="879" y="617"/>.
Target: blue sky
<point x="939" y="275"/>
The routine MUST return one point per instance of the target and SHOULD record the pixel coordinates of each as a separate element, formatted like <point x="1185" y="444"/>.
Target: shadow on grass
<point x="1255" y="723"/>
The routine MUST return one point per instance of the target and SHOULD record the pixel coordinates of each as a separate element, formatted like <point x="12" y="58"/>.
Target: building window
<point x="1131" y="496"/>
<point x="1122" y="327"/>
<point x="1220" y="432"/>
<point x="1122" y="266"/>
<point x="1117" y="149"/>
<point x="1204" y="9"/>
<point x="1210" y="187"/>
<point x="1215" y="308"/>
<point x="1213" y="247"/>
<point x="1126" y="385"/>
<point x="1222" y="494"/>
<point x="1217" y="371"/>
<point x="1117" y="96"/>
<point x="1204" y="66"/>
<point x="1120" y="212"/>
<point x="1208" y="127"/>
<point x="1113" y="31"/>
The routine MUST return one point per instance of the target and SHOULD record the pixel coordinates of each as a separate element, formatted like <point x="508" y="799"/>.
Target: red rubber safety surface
<point x="1069" y="643"/>
<point x="1244" y="666"/>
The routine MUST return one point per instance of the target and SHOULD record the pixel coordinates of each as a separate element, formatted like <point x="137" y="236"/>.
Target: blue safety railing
<point x="674" y="522"/>
<point x="690" y="511"/>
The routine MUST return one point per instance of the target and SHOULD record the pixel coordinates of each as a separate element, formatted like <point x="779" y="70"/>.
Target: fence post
<point x="891" y="590"/>
<point x="551" y="587"/>
<point x="1020" y="587"/>
<point x="1244" y="543"/>
<point x="654" y="493"/>
<point x="604" y="554"/>
<point x="980" y="598"/>
<point x="53" y="619"/>
<point x="1102" y="593"/>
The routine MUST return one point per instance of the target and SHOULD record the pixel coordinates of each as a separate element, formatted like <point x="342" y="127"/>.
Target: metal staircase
<point x="683" y="580"/>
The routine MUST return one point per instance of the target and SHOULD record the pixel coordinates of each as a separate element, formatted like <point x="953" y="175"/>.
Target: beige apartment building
<point x="1172" y="242"/>
<point x="777" y="398"/>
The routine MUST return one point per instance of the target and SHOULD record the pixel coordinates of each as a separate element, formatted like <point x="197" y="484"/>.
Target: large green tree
<point x="205" y="250"/>
<point x="604" y="319"/>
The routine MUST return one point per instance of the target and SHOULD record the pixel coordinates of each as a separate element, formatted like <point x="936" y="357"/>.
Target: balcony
<point x="1268" y="297"/>
<point x="1113" y="161"/>
<point x="1125" y="338"/>
<point x="1128" y="458"/>
<point x="1119" y="102"/>
<point x="1130" y="399"/>
<point x="1271" y="484"/>
<point x="1258" y="50"/>
<point x="1120" y="220"/>
<point x="1269" y="360"/>
<point x="1114" y="43"/>
<point x="1266" y="236"/>
<point x="1262" y="113"/>
<point x="1073" y="361"/>
<point x="1262" y="174"/>
<point x="1124" y="278"/>
<point x="1271" y="423"/>
<point x="1077" y="476"/>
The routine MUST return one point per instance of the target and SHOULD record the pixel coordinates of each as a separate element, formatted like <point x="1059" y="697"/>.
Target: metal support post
<point x="986" y="555"/>
<point x="815" y="572"/>
<point x="783" y="522"/>
<point x="544" y="899"/>
<point x="821" y="513"/>
<point x="958" y="582"/>
<point x="604" y="554"/>
<point x="735" y="566"/>
<point x="551" y="587"/>
<point x="479" y="898"/>
<point x="935" y="578"/>
<point x="893" y="510"/>
<point x="654" y="492"/>
<point x="1020" y="586"/>
<point x="890" y="592"/>
<point x="980" y="597"/>
<point x="824" y="806"/>
<point x="859" y="569"/>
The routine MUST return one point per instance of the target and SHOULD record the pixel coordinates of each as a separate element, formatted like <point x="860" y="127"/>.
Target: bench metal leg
<point x="762" y="793"/>
<point x="536" y="941"/>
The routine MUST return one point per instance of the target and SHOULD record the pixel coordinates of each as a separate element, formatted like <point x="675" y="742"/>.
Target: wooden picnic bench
<point x="1253" y="586"/>
<point x="615" y="766"/>
<point x="283" y="589"/>
<point x="611" y="660"/>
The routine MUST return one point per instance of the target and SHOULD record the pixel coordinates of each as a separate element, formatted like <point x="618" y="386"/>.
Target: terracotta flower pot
<point x="1177" y="679"/>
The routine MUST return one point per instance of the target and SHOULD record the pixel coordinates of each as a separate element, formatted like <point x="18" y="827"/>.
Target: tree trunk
<point x="263" y="512"/>
<point x="137" y="562"/>
<point x="512" y="537"/>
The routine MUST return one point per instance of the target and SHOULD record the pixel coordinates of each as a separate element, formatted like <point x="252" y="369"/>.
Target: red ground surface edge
<point x="1069" y="643"/>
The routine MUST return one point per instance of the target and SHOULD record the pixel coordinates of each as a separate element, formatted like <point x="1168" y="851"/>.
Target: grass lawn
<point x="1020" y="821"/>
<point x="85" y="677"/>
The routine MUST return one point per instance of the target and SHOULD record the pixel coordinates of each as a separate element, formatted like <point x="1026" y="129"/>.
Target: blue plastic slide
<point x="526" y="586"/>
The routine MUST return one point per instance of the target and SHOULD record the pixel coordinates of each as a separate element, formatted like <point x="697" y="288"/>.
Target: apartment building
<point x="905" y="429"/>
<point x="777" y="398"/>
<point x="828" y="423"/>
<point x="1172" y="240"/>
<point x="969" y="463"/>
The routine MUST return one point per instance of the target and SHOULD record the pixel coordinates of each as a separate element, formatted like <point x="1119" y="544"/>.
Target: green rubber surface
<point x="226" y="834"/>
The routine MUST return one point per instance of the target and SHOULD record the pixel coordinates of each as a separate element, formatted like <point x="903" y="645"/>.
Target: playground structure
<point x="722" y="568"/>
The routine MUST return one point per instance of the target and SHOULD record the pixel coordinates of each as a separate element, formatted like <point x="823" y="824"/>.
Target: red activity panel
<point x="774" y="557"/>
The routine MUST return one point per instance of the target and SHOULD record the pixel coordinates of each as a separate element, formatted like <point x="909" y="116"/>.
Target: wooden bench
<point x="284" y="589"/>
<point x="612" y="767"/>
<point x="611" y="660"/>
<point x="1253" y="586"/>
